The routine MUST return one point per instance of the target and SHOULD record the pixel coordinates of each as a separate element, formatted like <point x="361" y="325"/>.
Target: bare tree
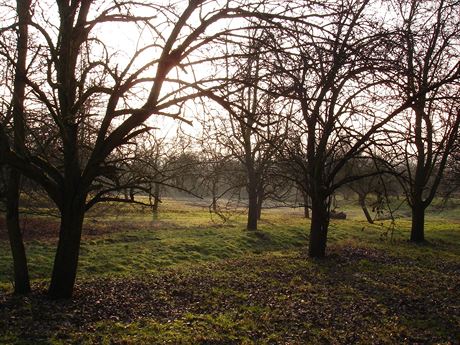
<point x="377" y="180"/>
<point x="428" y="33"/>
<point x="216" y="169"/>
<point x="73" y="67"/>
<point x="16" y="115"/>
<point x="450" y="184"/>
<point x="332" y="70"/>
<point x="252" y="132"/>
<point x="154" y="162"/>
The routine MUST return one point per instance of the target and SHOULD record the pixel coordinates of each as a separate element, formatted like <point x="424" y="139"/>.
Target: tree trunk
<point x="417" y="234"/>
<point x="156" y="199"/>
<point x="362" y="203"/>
<point x="306" y="206"/>
<point x="253" y="209"/>
<point x="66" y="260"/>
<point x="214" y="196"/>
<point x="318" y="229"/>
<point x="420" y="176"/>
<point x="260" y="201"/>
<point x="214" y="204"/>
<point x="21" y="272"/>
<point x="306" y="212"/>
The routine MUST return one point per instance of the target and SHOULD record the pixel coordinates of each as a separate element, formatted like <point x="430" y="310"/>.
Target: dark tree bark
<point x="214" y="188"/>
<point x="131" y="194"/>
<point x="306" y="205"/>
<point x="418" y="183"/>
<point x="319" y="228"/>
<point x="306" y="211"/>
<point x="253" y="210"/>
<point x="260" y="201"/>
<point x="417" y="233"/>
<point x="246" y="124"/>
<point x="66" y="259"/>
<point x="72" y="190"/>
<point x="156" y="199"/>
<point x="362" y="203"/>
<point x="21" y="272"/>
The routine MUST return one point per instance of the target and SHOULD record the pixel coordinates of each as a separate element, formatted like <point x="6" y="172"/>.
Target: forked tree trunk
<point x="66" y="259"/>
<point x="362" y="203"/>
<point x="21" y="272"/>
<point x="417" y="233"/>
<point x="318" y="229"/>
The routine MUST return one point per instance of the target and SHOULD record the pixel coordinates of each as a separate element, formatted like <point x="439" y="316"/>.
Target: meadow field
<point x="187" y="277"/>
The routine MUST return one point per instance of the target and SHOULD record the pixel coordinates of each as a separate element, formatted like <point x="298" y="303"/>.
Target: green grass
<point x="149" y="247"/>
<point x="184" y="235"/>
<point x="188" y="278"/>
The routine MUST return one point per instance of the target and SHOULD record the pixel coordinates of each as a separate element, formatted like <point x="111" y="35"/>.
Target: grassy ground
<point x="187" y="278"/>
